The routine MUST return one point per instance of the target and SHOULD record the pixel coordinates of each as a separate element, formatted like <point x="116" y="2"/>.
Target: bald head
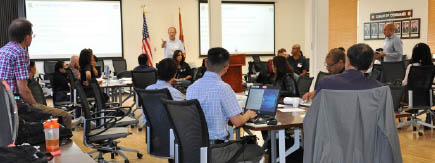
<point x="389" y="30"/>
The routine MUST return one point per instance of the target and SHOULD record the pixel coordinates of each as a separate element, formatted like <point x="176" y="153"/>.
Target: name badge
<point x="299" y="65"/>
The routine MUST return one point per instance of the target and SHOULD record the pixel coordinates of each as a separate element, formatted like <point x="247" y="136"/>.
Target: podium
<point x="234" y="74"/>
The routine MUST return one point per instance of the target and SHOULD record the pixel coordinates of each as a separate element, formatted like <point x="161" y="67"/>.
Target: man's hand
<point x="239" y="120"/>
<point x="309" y="95"/>
<point x="251" y="114"/>
<point x="163" y="43"/>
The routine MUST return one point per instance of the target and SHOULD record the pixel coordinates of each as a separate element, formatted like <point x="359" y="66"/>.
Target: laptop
<point x="263" y="100"/>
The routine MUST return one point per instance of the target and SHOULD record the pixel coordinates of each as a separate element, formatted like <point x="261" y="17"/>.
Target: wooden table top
<point x="285" y="120"/>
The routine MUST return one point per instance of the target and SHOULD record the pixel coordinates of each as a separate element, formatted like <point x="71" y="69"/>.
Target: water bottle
<point x="51" y="129"/>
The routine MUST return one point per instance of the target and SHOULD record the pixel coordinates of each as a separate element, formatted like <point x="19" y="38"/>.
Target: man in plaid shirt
<point x="14" y="68"/>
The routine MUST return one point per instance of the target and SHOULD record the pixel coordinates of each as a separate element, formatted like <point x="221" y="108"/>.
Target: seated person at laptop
<point x="358" y="60"/>
<point x="284" y="77"/>
<point x="334" y="62"/>
<point x="143" y="64"/>
<point x="61" y="86"/>
<point x="220" y="104"/>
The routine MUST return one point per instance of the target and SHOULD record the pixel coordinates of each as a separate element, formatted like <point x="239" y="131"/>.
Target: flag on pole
<point x="181" y="26"/>
<point x="146" y="48"/>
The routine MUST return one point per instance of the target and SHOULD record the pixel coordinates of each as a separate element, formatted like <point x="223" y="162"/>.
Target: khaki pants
<point x="66" y="117"/>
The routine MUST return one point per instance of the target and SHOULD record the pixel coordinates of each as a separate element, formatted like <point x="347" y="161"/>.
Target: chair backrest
<point x="392" y="71"/>
<point x="304" y="84"/>
<point x="100" y="63"/>
<point x="194" y="73"/>
<point x="124" y="74"/>
<point x="420" y="79"/>
<point x="157" y="119"/>
<point x="256" y="59"/>
<point x="98" y="95"/>
<point x="119" y="65"/>
<point x="37" y="92"/>
<point x="8" y="115"/>
<point x="72" y="80"/>
<point x="397" y="93"/>
<point x="190" y="128"/>
<point x="86" y="109"/>
<point x="375" y="74"/>
<point x="142" y="79"/>
<point x="319" y="77"/>
<point x="49" y="67"/>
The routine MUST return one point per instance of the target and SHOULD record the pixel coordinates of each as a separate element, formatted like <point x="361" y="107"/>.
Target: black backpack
<point x="33" y="133"/>
<point x="23" y="154"/>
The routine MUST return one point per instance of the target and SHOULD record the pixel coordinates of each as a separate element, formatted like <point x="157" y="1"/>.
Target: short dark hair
<point x="336" y="54"/>
<point x="32" y="64"/>
<point x="58" y="65"/>
<point x="282" y="50"/>
<point x="342" y="49"/>
<point x="142" y="59"/>
<point x="85" y="57"/>
<point x="19" y="29"/>
<point x="176" y="53"/>
<point x="166" y="69"/>
<point x="360" y="56"/>
<point x="217" y="58"/>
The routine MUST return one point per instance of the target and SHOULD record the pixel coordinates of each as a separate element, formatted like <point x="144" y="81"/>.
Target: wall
<point x="342" y="23"/>
<point x="289" y="26"/>
<point x="431" y="25"/>
<point x="420" y="10"/>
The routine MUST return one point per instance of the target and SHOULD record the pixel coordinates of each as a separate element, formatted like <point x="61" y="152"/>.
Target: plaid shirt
<point x="218" y="101"/>
<point x="14" y="61"/>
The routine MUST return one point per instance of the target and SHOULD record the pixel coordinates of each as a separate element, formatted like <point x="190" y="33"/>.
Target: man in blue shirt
<point x="143" y="64"/>
<point x="219" y="104"/>
<point x="167" y="69"/>
<point x="393" y="46"/>
<point x="298" y="62"/>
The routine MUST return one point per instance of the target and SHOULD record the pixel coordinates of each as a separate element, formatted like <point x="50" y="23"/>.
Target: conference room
<point x="147" y="81"/>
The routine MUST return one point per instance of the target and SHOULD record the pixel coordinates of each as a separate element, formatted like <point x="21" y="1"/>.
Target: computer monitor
<point x="263" y="100"/>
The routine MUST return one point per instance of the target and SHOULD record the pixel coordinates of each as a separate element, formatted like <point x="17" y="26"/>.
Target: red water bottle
<point x="51" y="129"/>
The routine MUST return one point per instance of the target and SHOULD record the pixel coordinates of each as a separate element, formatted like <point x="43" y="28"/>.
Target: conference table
<point x="288" y="118"/>
<point x="70" y="152"/>
<point x="115" y="87"/>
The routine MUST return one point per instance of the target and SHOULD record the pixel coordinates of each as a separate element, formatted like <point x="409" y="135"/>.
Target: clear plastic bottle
<point x="51" y="129"/>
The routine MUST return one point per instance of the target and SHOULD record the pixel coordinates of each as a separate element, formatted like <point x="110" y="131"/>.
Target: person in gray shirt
<point x="393" y="46"/>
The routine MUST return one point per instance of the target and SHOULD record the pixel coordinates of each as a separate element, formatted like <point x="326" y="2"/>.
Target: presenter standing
<point x="393" y="46"/>
<point x="172" y="44"/>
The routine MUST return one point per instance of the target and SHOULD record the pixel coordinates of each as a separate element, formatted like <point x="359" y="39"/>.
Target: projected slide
<point x="246" y="28"/>
<point x="64" y="28"/>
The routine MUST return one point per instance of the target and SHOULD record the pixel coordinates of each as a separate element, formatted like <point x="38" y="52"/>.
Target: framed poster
<point x="415" y="28"/>
<point x="374" y="30"/>
<point x="406" y="28"/>
<point x="366" y="31"/>
<point x="398" y="25"/>
<point x="381" y="30"/>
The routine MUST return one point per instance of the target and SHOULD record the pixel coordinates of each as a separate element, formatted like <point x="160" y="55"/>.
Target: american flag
<point x="146" y="48"/>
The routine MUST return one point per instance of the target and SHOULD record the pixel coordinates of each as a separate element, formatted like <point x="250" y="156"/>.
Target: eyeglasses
<point x="330" y="64"/>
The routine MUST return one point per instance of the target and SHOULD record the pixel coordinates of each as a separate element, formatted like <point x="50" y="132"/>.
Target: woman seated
<point x="184" y="73"/>
<point x="421" y="56"/>
<point x="284" y="78"/>
<point x="88" y="72"/>
<point x="61" y="86"/>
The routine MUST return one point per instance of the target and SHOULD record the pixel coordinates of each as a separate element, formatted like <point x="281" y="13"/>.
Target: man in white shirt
<point x="172" y="43"/>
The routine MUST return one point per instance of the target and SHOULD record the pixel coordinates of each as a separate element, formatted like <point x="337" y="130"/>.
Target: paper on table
<point x="292" y="110"/>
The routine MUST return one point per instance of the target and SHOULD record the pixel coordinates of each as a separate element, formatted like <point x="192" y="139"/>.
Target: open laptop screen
<point x="262" y="100"/>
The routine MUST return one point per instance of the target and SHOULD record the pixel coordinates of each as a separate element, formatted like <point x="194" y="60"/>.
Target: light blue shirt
<point x="161" y="84"/>
<point x="171" y="46"/>
<point x="393" y="47"/>
<point x="218" y="102"/>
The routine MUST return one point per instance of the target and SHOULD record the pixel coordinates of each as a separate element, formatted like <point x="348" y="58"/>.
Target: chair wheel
<point x="414" y="128"/>
<point x="126" y="161"/>
<point x="420" y="134"/>
<point x="140" y="129"/>
<point x="139" y="155"/>
<point x="112" y="155"/>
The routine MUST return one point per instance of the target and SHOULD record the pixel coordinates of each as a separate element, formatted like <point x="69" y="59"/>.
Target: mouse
<point x="272" y="122"/>
<point x="260" y="121"/>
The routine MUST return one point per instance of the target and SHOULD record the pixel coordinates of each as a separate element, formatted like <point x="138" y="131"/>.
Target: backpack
<point x="23" y="154"/>
<point x="33" y="133"/>
<point x="8" y="115"/>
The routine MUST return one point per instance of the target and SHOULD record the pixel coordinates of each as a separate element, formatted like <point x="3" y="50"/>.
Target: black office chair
<point x="392" y="72"/>
<point x="304" y="84"/>
<point x="48" y="73"/>
<point x="142" y="79"/>
<point x="160" y="136"/>
<point x="420" y="93"/>
<point x="100" y="63"/>
<point x="101" y="137"/>
<point x="124" y="74"/>
<point x="123" y="111"/>
<point x="375" y="75"/>
<point x="319" y="77"/>
<point x="37" y="92"/>
<point x="119" y="65"/>
<point x="191" y="130"/>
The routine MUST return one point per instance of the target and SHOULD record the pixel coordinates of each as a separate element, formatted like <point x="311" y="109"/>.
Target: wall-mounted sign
<point x="391" y="15"/>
